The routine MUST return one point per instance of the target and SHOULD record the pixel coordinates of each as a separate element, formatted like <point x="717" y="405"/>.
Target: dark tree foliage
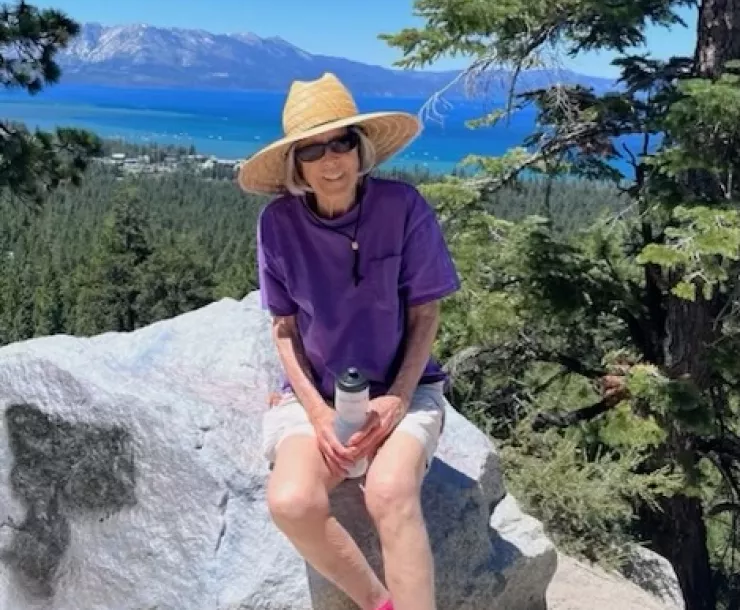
<point x="615" y="346"/>
<point x="33" y="163"/>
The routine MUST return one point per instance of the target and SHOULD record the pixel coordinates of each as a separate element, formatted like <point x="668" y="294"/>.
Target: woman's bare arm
<point x="423" y="323"/>
<point x="297" y="369"/>
<point x="296" y="366"/>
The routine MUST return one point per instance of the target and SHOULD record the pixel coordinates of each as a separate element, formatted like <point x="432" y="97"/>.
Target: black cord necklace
<point x="311" y="204"/>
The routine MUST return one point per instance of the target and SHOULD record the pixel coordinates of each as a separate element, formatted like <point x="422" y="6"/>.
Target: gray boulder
<point x="655" y="574"/>
<point x="579" y="585"/>
<point x="131" y="478"/>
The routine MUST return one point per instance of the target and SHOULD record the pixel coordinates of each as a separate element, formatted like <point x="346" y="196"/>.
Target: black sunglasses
<point x="340" y="144"/>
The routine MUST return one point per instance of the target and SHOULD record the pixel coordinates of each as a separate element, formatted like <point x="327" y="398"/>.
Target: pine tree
<point x="22" y="326"/>
<point x="643" y="306"/>
<point x="175" y="279"/>
<point x="48" y="302"/>
<point x="6" y="298"/>
<point x="111" y="286"/>
<point x="32" y="163"/>
<point x="240" y="276"/>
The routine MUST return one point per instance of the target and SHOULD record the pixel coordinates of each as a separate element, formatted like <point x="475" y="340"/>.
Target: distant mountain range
<point x="147" y="56"/>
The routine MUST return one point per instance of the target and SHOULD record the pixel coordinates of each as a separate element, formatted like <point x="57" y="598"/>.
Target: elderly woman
<point x="352" y="269"/>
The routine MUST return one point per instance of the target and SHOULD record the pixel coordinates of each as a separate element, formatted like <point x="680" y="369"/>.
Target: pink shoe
<point x="386" y="606"/>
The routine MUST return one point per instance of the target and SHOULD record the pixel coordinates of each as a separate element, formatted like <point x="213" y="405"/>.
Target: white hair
<point x="296" y="185"/>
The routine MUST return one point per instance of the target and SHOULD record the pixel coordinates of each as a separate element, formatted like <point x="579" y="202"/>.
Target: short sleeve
<point x="427" y="269"/>
<point x="274" y="294"/>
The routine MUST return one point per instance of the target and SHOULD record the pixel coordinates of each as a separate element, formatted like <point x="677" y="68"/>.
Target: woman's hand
<point x="338" y="458"/>
<point x="384" y="414"/>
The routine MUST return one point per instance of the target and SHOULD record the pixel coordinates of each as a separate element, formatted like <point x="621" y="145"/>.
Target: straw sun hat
<point x="311" y="108"/>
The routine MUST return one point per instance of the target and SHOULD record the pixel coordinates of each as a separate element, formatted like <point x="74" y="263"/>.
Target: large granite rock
<point x="131" y="477"/>
<point x="583" y="586"/>
<point x="654" y="574"/>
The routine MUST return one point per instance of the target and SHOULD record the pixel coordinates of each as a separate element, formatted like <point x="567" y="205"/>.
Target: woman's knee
<point x="391" y="496"/>
<point x="296" y="489"/>
<point x="295" y="502"/>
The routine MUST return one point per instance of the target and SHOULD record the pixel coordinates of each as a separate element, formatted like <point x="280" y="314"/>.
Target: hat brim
<point x="390" y="132"/>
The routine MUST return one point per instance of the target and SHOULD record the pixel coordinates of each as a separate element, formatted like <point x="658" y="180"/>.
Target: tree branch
<point x="554" y="146"/>
<point x="572" y="364"/>
<point x="728" y="445"/>
<point x="723" y="507"/>
<point x="554" y="419"/>
<point x="549" y="381"/>
<point x="632" y="158"/>
<point x="459" y="360"/>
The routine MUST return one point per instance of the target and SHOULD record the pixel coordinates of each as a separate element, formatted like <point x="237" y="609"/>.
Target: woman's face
<point x="335" y="173"/>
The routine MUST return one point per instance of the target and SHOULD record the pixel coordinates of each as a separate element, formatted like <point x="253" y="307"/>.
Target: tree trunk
<point x="679" y="534"/>
<point x="718" y="36"/>
<point x="678" y="530"/>
<point x="689" y="331"/>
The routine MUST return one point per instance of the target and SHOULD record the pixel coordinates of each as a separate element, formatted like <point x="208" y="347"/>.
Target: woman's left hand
<point x="384" y="414"/>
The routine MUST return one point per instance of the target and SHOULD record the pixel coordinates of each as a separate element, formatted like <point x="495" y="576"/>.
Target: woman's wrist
<point x="404" y="394"/>
<point x="315" y="408"/>
<point x="307" y="394"/>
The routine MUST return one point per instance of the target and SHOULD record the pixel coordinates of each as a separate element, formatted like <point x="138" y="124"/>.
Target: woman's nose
<point x="332" y="156"/>
<point x="331" y="159"/>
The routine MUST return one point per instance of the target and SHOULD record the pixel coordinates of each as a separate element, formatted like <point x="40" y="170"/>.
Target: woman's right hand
<point x="337" y="457"/>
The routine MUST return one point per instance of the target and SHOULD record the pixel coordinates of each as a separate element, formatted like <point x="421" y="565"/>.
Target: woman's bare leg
<point x="298" y="499"/>
<point x="393" y="496"/>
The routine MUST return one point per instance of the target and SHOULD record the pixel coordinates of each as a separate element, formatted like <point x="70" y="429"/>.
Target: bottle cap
<point x="352" y="381"/>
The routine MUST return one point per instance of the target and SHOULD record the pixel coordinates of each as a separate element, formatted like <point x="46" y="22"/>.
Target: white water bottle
<point x="351" y="400"/>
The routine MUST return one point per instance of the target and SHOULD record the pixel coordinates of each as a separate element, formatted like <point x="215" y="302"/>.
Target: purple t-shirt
<point x="306" y="269"/>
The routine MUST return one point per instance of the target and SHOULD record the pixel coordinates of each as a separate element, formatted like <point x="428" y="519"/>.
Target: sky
<point x="325" y="26"/>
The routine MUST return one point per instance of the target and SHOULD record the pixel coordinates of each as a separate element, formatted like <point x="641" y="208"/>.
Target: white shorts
<point x="424" y="420"/>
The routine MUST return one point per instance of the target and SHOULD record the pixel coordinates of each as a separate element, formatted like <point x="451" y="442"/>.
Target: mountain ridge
<point x="149" y="56"/>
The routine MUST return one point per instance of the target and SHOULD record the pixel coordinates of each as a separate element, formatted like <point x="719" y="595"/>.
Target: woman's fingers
<point x="370" y="442"/>
<point x="341" y="453"/>
<point x="373" y="421"/>
<point x="335" y="468"/>
<point x="332" y="462"/>
<point x="336" y="452"/>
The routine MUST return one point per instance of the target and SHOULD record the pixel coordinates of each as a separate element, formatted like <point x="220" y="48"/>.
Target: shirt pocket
<point x="383" y="275"/>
